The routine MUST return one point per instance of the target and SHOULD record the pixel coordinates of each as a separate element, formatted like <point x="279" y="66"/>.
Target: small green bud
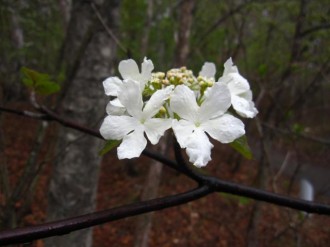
<point x="162" y="110"/>
<point x="210" y="83"/>
<point x="166" y="82"/>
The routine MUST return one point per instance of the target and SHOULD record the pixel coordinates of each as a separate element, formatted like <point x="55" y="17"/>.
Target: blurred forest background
<point x="49" y="172"/>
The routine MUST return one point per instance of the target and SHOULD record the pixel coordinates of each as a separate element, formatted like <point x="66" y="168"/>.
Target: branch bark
<point x="185" y="22"/>
<point x="27" y="234"/>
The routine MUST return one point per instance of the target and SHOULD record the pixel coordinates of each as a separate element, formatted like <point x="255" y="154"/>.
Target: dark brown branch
<point x="261" y="195"/>
<point x="314" y="29"/>
<point x="257" y="194"/>
<point x="27" y="234"/>
<point x="24" y="113"/>
<point x="223" y="18"/>
<point x="299" y="135"/>
<point x="52" y="116"/>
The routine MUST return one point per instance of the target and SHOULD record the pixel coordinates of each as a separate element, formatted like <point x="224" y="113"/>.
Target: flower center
<point x="142" y="120"/>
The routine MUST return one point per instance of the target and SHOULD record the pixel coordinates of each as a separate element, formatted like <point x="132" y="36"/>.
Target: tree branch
<point x="314" y="29"/>
<point x="299" y="135"/>
<point x="253" y="193"/>
<point x="30" y="233"/>
<point x="261" y="195"/>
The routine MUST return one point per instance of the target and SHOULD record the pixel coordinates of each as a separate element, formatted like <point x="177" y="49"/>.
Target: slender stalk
<point x="27" y="234"/>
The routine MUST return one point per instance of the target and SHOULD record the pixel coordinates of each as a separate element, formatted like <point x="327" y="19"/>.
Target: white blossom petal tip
<point x="132" y="145"/>
<point x="111" y="86"/>
<point x="208" y="70"/>
<point x="198" y="148"/>
<point x="239" y="87"/>
<point x="130" y="70"/>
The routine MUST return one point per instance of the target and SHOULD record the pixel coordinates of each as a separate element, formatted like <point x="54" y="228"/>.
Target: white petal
<point x="116" y="102"/>
<point x="246" y="95"/>
<point x="225" y="129"/>
<point x="130" y="96"/>
<point x="182" y="130"/>
<point x="132" y="145"/>
<point x="114" y="107"/>
<point x="111" y="85"/>
<point x="243" y="107"/>
<point x="216" y="103"/>
<point x="156" y="101"/>
<point x="116" y="127"/>
<point x="146" y="69"/>
<point x="229" y="67"/>
<point x="208" y="70"/>
<point x="237" y="84"/>
<point x="183" y="103"/>
<point x="198" y="148"/>
<point x="129" y="69"/>
<point x="156" y="127"/>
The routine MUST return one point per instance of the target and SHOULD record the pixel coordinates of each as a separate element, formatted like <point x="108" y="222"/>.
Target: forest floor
<point x="215" y="220"/>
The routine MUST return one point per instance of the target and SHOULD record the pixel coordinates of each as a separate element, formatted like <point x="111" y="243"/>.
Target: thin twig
<point x="299" y="135"/>
<point x="281" y="170"/>
<point x="108" y="30"/>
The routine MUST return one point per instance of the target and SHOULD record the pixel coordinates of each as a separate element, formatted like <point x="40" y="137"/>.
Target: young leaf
<point x="29" y="77"/>
<point x="241" y="145"/>
<point x="110" y="144"/>
<point x="38" y="82"/>
<point x="47" y="87"/>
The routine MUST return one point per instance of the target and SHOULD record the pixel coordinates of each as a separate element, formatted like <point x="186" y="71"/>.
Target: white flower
<point x="241" y="95"/>
<point x="208" y="70"/>
<point x="210" y="117"/>
<point x="128" y="70"/>
<point x="131" y="127"/>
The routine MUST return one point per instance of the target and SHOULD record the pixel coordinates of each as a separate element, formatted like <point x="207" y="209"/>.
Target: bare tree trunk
<point x="146" y="30"/>
<point x="65" y="7"/>
<point x="185" y="22"/>
<point x="87" y="59"/>
<point x="10" y="65"/>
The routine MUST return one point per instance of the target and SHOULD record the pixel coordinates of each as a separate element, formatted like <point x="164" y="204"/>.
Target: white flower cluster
<point x="194" y="107"/>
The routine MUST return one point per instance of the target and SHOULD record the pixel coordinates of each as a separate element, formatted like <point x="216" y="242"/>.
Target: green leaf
<point x="298" y="128"/>
<point x="241" y="145"/>
<point x="110" y="144"/>
<point x="38" y="82"/>
<point x="262" y="69"/>
<point x="29" y="77"/>
<point x="47" y="87"/>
